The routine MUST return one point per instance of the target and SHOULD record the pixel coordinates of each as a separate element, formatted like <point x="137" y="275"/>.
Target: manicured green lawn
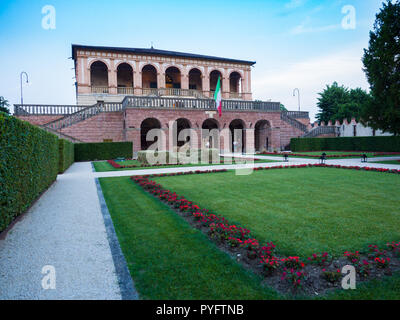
<point x="302" y="210"/>
<point x="105" y="166"/>
<point x="387" y="288"/>
<point x="167" y="258"/>
<point x="397" y="162"/>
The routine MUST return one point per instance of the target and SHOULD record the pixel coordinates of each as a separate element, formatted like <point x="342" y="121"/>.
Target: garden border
<point x="238" y="240"/>
<point x="125" y="281"/>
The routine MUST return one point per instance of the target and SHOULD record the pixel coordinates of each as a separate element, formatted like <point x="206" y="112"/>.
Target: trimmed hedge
<point x="67" y="155"/>
<point x="103" y="151"/>
<point x="28" y="165"/>
<point x="173" y="157"/>
<point x="379" y="144"/>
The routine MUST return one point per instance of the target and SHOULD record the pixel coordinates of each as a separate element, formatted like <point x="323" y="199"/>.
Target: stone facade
<point x="109" y="74"/>
<point x="127" y="126"/>
<point x="165" y="90"/>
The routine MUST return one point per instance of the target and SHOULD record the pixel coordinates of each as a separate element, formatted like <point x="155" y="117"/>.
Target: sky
<point x="304" y="44"/>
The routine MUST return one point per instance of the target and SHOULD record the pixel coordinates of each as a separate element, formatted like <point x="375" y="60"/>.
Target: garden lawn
<point x="303" y="210"/>
<point x="105" y="166"/>
<point x="397" y="162"/>
<point x="166" y="257"/>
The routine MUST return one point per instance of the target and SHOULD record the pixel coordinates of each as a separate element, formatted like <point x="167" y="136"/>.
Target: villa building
<point x="110" y="74"/>
<point x="123" y="93"/>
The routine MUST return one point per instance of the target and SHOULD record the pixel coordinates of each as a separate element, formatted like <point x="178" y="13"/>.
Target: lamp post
<point x="27" y="81"/>
<point x="298" y="95"/>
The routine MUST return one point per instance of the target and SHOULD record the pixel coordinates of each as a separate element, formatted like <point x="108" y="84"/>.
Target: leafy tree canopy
<point x="338" y="103"/>
<point x="382" y="67"/>
<point x="283" y="108"/>
<point x="3" y="105"/>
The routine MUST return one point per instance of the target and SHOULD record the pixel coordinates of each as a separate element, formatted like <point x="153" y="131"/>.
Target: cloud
<point x="293" y="4"/>
<point x="311" y="77"/>
<point x="306" y="27"/>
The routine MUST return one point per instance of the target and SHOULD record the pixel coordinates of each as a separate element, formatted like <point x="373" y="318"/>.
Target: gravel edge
<point x="127" y="287"/>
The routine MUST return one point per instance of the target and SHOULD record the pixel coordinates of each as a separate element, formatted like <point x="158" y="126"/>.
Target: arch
<point x="179" y="125"/>
<point x="210" y="124"/>
<point x="195" y="79"/>
<point x="179" y="67"/>
<point x="210" y="133"/>
<point x="214" y="79"/>
<point x="262" y="135"/>
<point x="235" y="82"/>
<point x="149" y="77"/>
<point x="125" y="78"/>
<point x="238" y="141"/>
<point x="147" y="125"/>
<point x="94" y="60"/>
<point x="173" y="77"/>
<point x="99" y="77"/>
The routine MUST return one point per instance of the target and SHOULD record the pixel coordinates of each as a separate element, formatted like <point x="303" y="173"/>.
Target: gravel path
<point x="64" y="229"/>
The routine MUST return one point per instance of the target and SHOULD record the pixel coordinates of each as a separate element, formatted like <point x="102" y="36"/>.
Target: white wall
<point x="347" y="130"/>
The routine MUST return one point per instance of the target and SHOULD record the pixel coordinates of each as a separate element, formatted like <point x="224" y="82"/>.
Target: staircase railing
<point x="84" y="114"/>
<point x="319" y="131"/>
<point x="60" y="135"/>
<point x="293" y="122"/>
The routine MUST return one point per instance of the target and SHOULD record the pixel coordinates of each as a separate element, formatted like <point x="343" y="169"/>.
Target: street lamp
<point x="298" y="95"/>
<point x="27" y="81"/>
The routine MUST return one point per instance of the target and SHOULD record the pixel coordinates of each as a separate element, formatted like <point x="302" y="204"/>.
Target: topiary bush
<point x="67" y="155"/>
<point x="28" y="165"/>
<point x="378" y="144"/>
<point x="103" y="151"/>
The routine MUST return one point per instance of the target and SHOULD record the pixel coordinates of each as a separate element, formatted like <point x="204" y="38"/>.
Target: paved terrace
<point x="65" y="228"/>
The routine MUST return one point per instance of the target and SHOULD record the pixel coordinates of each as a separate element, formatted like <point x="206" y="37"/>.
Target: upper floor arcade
<point x="118" y="72"/>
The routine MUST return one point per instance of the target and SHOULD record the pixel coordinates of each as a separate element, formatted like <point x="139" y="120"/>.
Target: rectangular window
<point x="355" y="131"/>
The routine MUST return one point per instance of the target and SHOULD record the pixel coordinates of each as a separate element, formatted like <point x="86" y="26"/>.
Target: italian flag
<point x="218" y="97"/>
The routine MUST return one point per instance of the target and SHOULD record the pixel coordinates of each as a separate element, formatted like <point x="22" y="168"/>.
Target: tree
<point x="3" y="105"/>
<point x="282" y="107"/>
<point x="338" y="103"/>
<point x="382" y="66"/>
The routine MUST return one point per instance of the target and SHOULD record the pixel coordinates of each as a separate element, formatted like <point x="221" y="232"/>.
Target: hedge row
<point x="103" y="151"/>
<point x="67" y="155"/>
<point x="380" y="144"/>
<point x="28" y="165"/>
<point x="166" y="157"/>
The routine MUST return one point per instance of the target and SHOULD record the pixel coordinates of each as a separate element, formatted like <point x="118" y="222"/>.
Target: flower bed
<point x="116" y="165"/>
<point x="316" y="274"/>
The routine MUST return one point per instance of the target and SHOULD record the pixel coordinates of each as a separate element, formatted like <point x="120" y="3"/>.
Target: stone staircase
<point x="318" y="131"/>
<point x="82" y="115"/>
<point x="293" y="122"/>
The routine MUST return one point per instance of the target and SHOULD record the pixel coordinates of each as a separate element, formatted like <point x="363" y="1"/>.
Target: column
<point x="185" y="80"/>
<point x="83" y="76"/>
<point x="112" y="78"/>
<point x="276" y="139"/>
<point x="137" y="81"/>
<point x="206" y="82"/>
<point x="225" y="87"/>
